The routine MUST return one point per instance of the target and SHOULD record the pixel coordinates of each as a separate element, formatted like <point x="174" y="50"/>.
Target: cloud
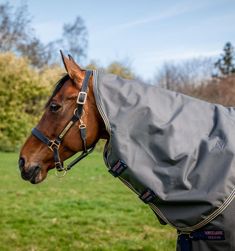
<point x="146" y="64"/>
<point x="160" y="57"/>
<point x="173" y="10"/>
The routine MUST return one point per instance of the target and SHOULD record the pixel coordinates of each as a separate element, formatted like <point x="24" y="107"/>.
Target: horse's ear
<point x="71" y="58"/>
<point x="72" y="68"/>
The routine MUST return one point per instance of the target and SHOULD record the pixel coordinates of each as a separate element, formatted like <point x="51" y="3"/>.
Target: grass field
<point x="86" y="210"/>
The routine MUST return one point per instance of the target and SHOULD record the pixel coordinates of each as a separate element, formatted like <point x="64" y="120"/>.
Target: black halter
<point x="54" y="144"/>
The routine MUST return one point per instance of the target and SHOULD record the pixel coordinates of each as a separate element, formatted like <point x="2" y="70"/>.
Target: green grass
<point x="88" y="209"/>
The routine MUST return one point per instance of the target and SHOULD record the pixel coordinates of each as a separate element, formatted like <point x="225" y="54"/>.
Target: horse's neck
<point x="103" y="134"/>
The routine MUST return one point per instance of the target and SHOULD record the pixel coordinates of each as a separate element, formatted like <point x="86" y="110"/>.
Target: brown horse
<point x="36" y="159"/>
<point x="156" y="146"/>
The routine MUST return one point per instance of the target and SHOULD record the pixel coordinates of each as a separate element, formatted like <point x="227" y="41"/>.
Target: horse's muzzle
<point x="31" y="172"/>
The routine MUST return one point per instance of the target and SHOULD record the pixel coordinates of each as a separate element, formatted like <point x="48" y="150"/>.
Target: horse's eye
<point x="54" y="107"/>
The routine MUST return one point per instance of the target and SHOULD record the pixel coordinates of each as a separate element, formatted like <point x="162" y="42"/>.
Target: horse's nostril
<point x="21" y="163"/>
<point x="31" y="173"/>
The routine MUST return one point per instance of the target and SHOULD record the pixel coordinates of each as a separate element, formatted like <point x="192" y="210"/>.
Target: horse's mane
<point x="58" y="86"/>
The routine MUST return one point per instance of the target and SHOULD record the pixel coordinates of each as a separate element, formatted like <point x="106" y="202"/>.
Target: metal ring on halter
<point x="83" y="112"/>
<point x="75" y="110"/>
<point x="60" y="174"/>
<point x="82" y="126"/>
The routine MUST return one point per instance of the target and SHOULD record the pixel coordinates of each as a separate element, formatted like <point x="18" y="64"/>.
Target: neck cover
<point x="174" y="151"/>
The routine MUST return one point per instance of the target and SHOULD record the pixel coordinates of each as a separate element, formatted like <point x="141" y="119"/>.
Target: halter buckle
<point x="81" y="99"/>
<point x="53" y="144"/>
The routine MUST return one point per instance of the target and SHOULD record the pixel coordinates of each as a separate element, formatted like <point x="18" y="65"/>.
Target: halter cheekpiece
<point x="54" y="144"/>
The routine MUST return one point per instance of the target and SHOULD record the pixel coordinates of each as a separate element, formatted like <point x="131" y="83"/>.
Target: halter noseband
<point x="54" y="144"/>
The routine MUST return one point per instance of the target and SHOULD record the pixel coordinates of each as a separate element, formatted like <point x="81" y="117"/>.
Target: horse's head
<point x="60" y="132"/>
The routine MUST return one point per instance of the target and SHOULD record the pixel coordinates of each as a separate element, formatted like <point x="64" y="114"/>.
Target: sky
<point x="145" y="34"/>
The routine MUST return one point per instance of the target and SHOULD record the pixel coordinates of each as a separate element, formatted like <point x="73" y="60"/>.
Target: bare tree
<point x="17" y="35"/>
<point x="14" y="26"/>
<point x="38" y="54"/>
<point x="168" y="77"/>
<point x="75" y="39"/>
<point x="192" y="72"/>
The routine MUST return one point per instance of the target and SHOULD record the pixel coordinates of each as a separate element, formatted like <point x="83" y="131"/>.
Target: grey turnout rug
<point x="175" y="152"/>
